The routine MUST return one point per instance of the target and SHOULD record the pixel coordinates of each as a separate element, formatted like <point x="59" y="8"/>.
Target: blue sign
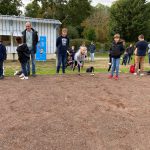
<point x="41" y="49"/>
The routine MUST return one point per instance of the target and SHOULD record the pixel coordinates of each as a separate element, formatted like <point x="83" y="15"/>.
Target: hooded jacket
<point x="34" y="38"/>
<point x="117" y="49"/>
<point x="3" y="53"/>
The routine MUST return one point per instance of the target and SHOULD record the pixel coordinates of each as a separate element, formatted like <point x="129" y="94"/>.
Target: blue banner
<point x="41" y="49"/>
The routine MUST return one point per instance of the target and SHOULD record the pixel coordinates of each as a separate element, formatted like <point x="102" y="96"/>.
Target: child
<point x="125" y="58"/>
<point x="79" y="58"/>
<point x="23" y="57"/>
<point x="3" y="56"/>
<point x="62" y="45"/>
<point x="116" y="51"/>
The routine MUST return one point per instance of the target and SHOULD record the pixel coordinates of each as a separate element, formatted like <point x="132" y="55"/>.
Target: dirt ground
<point x="74" y="112"/>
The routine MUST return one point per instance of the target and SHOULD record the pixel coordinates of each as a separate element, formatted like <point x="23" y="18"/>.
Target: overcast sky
<point x="94" y="2"/>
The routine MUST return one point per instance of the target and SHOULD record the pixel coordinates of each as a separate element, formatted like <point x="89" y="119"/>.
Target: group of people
<point x="27" y="49"/>
<point x="118" y="48"/>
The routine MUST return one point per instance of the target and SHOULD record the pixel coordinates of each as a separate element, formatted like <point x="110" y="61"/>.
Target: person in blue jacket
<point x="62" y="44"/>
<point x="3" y="56"/>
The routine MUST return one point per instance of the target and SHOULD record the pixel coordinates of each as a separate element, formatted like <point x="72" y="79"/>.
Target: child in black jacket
<point x="116" y="50"/>
<point x="23" y="57"/>
<point x="62" y="45"/>
<point x="3" y="56"/>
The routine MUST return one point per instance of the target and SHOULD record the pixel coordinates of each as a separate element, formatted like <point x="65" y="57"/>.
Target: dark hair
<point x="19" y="40"/>
<point x="141" y="36"/>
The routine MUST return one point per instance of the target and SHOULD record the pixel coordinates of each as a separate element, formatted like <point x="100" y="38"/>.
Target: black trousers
<point x="1" y="68"/>
<point x="75" y="65"/>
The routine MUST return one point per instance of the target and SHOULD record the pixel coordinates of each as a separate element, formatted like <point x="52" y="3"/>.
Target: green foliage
<point x="130" y="18"/>
<point x="32" y="9"/>
<point x="89" y="33"/>
<point x="10" y="7"/>
<point x="99" y="21"/>
<point x="73" y="32"/>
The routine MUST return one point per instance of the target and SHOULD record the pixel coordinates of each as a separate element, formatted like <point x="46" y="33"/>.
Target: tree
<point x="33" y="9"/>
<point x="99" y="21"/>
<point x="10" y="7"/>
<point x="130" y="18"/>
<point x="90" y="34"/>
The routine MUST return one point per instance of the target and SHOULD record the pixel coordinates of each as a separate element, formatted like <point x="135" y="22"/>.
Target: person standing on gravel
<point x="140" y="53"/>
<point x="30" y="37"/>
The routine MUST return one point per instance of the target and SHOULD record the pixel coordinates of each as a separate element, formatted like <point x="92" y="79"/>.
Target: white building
<point x="12" y="26"/>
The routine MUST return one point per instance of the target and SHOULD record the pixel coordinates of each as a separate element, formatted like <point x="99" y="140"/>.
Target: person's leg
<point x="78" y="68"/>
<point x="75" y="64"/>
<point x="142" y="64"/>
<point x="28" y="67"/>
<point x="117" y="66"/>
<point x="59" y="58"/>
<point x="1" y="68"/>
<point x="23" y="66"/>
<point x="63" y="63"/>
<point x="91" y="56"/>
<point x="137" y="60"/>
<point x="129" y="59"/>
<point x="33" y="62"/>
<point x="113" y="66"/>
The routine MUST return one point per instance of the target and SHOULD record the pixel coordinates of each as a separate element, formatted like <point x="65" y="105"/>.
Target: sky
<point x="94" y="2"/>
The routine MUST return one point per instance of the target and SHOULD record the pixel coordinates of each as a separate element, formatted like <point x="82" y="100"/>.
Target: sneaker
<point x="21" y="76"/>
<point x="33" y="75"/>
<point x="135" y="74"/>
<point x="1" y="77"/>
<point x="24" y="78"/>
<point x="116" y="77"/>
<point x="110" y="77"/>
<point x="16" y="72"/>
<point x="142" y="74"/>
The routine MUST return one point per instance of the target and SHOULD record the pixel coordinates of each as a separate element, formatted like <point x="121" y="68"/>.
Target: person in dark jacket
<point x="130" y="51"/>
<point x="140" y="53"/>
<point x="116" y="50"/>
<point x="92" y="49"/>
<point x="62" y="44"/>
<point x="3" y="56"/>
<point x="23" y="57"/>
<point x="30" y="37"/>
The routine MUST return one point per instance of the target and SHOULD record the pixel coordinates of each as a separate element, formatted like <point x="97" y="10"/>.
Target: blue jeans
<point x="1" y="68"/>
<point x="32" y="61"/>
<point x="61" y="60"/>
<point x="92" y="56"/>
<point x="115" y="66"/>
<point x="24" y="68"/>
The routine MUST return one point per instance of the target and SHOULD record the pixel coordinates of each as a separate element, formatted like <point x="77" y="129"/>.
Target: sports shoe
<point x="24" y="78"/>
<point x="142" y="74"/>
<point x="16" y="72"/>
<point x="110" y="77"/>
<point x="135" y="74"/>
<point x="21" y="76"/>
<point x="116" y="77"/>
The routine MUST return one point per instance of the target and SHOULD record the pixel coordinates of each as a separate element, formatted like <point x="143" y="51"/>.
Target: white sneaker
<point x="142" y="74"/>
<point x="24" y="78"/>
<point x="15" y="73"/>
<point x="135" y="74"/>
<point x="21" y="76"/>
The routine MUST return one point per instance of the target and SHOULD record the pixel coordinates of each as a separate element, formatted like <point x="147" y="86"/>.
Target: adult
<point x="140" y="53"/>
<point x="92" y="49"/>
<point x="30" y="37"/>
<point x="130" y="50"/>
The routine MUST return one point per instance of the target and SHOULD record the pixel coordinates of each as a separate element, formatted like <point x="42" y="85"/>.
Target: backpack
<point x="132" y="69"/>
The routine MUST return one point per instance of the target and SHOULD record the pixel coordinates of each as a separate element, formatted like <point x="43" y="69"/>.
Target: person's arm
<point x="5" y="53"/>
<point x="37" y="38"/>
<point x="57" y="42"/>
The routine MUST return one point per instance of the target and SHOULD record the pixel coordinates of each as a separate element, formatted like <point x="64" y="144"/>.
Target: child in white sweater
<point x="80" y="58"/>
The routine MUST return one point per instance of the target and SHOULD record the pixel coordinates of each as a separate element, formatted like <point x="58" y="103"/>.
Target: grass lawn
<point x="49" y="67"/>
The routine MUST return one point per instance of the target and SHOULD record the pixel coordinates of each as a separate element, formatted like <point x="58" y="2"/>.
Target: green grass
<point x="49" y="67"/>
